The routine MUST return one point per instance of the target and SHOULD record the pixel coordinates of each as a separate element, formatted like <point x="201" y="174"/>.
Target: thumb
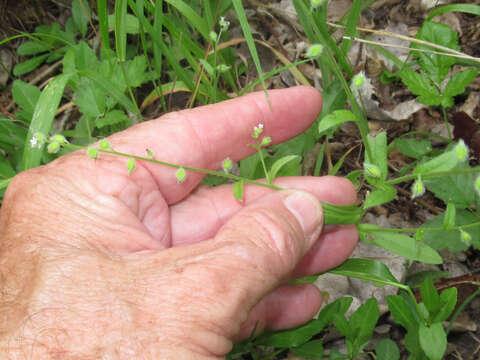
<point x="268" y="238"/>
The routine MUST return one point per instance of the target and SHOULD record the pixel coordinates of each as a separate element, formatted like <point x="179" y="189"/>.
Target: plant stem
<point x="407" y="230"/>
<point x="447" y="124"/>
<point x="433" y="175"/>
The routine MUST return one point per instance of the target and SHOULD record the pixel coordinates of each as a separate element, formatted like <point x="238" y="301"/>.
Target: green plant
<point x="103" y="84"/>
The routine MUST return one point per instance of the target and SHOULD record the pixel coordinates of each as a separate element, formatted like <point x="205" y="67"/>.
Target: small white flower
<point x="33" y="141"/>
<point x="227" y="165"/>
<point x="224" y="24"/>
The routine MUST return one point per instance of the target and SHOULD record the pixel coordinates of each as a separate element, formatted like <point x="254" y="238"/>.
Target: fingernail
<point x="307" y="210"/>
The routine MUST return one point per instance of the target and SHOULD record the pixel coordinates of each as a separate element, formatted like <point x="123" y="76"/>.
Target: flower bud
<point x="53" y="147"/>
<point x="372" y="170"/>
<point x="224" y="24"/>
<point x="266" y="141"/>
<point x="59" y="139"/>
<point x="461" y="150"/>
<point x="257" y="130"/>
<point x="358" y="80"/>
<point x="213" y="36"/>
<point x="227" y="165"/>
<point x="150" y="153"/>
<point x="223" y="68"/>
<point x="92" y="152"/>
<point x="316" y="3"/>
<point x="418" y="188"/>
<point x="181" y="175"/>
<point x="104" y="144"/>
<point x="130" y="165"/>
<point x="314" y="51"/>
<point x="37" y="140"/>
<point x="465" y="237"/>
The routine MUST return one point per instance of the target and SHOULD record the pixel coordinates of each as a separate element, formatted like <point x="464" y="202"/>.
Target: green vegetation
<point x="149" y="50"/>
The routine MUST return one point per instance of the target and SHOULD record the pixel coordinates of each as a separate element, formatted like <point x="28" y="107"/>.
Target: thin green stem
<point x="433" y="175"/>
<point x="406" y="230"/>
<point x="203" y="171"/>
<point x="460" y="309"/>
<point x="444" y="111"/>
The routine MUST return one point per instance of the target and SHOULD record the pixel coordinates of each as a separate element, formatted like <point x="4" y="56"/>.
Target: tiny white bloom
<point x="33" y="141"/>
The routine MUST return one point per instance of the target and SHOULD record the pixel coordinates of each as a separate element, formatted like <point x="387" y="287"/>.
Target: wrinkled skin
<point x="99" y="264"/>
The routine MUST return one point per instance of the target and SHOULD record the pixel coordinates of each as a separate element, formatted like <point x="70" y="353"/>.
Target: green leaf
<point x="403" y="245"/>
<point x="312" y="350"/>
<point x="450" y="239"/>
<point x="465" y="8"/>
<point x="448" y="300"/>
<point x="449" y="218"/>
<point x="444" y="162"/>
<point x="341" y="215"/>
<point x="6" y="170"/>
<point x="193" y="17"/>
<point x="430" y="296"/>
<point x="421" y="86"/>
<point x="413" y="148"/>
<point x="334" y="120"/>
<point x="303" y="333"/>
<point x="112" y="117"/>
<point x="366" y="269"/>
<point x="433" y="340"/>
<point x="242" y="18"/>
<point x="378" y="151"/>
<point x="415" y="280"/>
<point x="90" y="99"/>
<point x="102" y="13"/>
<point x="81" y="15"/>
<point x="110" y="88"/>
<point x="121" y="29"/>
<point x="238" y="190"/>
<point x="362" y="322"/>
<point x="341" y="323"/>
<point x="455" y="188"/>
<point x="25" y="95"/>
<point x="32" y="47"/>
<point x="380" y="196"/>
<point x="29" y="65"/>
<point x="278" y="164"/>
<point x="131" y="26"/>
<point x="136" y="70"/>
<point x="459" y="81"/>
<point x="387" y="349"/>
<point x="85" y="58"/>
<point x="401" y="312"/>
<point x="42" y="119"/>
<point x="435" y="65"/>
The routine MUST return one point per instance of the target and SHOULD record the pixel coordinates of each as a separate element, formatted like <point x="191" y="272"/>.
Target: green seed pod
<point x="104" y="144"/>
<point x="181" y="175"/>
<point x="130" y="165"/>
<point x="358" y="80"/>
<point x="314" y="51"/>
<point x="92" y="152"/>
<point x="223" y="68"/>
<point x="227" y="165"/>
<point x="53" y="147"/>
<point x="59" y="139"/>
<point x="418" y="188"/>
<point x="465" y="237"/>
<point x="461" y="150"/>
<point x="372" y="170"/>
<point x="266" y="141"/>
<point x="213" y="36"/>
<point x="316" y="3"/>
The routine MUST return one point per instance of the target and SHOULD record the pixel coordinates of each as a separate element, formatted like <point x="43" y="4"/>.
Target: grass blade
<point x="242" y="18"/>
<point x="121" y="29"/>
<point x="42" y="118"/>
<point x="102" y="12"/>
<point x="351" y="27"/>
<point x="195" y="19"/>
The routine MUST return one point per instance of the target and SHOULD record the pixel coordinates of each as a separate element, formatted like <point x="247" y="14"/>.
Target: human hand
<point x="99" y="264"/>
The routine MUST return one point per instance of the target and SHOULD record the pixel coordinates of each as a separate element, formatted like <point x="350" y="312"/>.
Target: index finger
<point x="203" y="137"/>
